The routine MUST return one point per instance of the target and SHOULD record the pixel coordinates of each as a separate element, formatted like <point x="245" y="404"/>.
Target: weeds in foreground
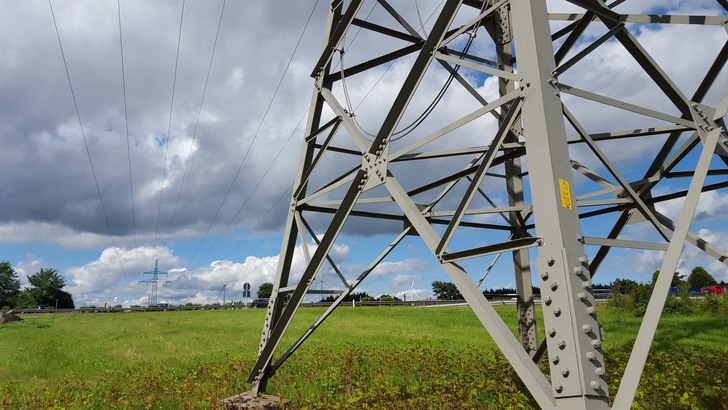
<point x="418" y="376"/>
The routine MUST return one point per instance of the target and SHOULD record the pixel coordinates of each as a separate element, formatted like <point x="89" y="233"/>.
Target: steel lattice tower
<point x="153" y="282"/>
<point x="527" y="170"/>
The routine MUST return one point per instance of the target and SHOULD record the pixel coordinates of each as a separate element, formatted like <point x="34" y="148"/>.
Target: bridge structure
<point x="520" y="152"/>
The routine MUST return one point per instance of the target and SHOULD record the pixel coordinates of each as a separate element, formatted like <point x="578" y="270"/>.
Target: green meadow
<point x="364" y="357"/>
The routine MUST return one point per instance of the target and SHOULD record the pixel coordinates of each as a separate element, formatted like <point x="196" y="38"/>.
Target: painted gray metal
<point x="443" y="176"/>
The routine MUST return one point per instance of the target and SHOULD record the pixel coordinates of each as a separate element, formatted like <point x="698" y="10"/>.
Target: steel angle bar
<point x="328" y="257"/>
<point x="490" y="201"/>
<point x="471" y="57"/>
<point x="464" y="83"/>
<point x="637" y="199"/>
<point x="532" y="377"/>
<point x="314" y="163"/>
<point x="649" y="18"/>
<point x="642" y="132"/>
<point x="289" y="289"/>
<point x="652" y="201"/>
<point x="474" y="22"/>
<point x="336" y="36"/>
<point x="302" y="237"/>
<point x="457" y="124"/>
<point x="712" y="75"/>
<point x="477" y="67"/>
<point x="623" y="243"/>
<point x="624" y="105"/>
<point x="379" y="200"/>
<point x="409" y="37"/>
<point x="640" y="350"/>
<point x="695" y="240"/>
<point x="508" y="246"/>
<point x="603" y="202"/>
<point x="480" y="174"/>
<point x="337" y="183"/>
<point x="375" y="62"/>
<point x="339" y="300"/>
<point x="398" y="17"/>
<point x="587" y="172"/>
<point x="643" y="58"/>
<point x="261" y="367"/>
<point x="562" y="67"/>
<point x="354" y="132"/>
<point x="595" y="7"/>
<point x="667" y="164"/>
<point x="581" y="25"/>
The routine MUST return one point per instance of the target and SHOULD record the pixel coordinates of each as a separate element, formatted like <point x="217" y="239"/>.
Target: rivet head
<point x="557" y="311"/>
<point x="552" y="332"/>
<point x="548" y="301"/>
<point x="578" y="271"/>
<point x="555" y="359"/>
<point x="565" y="372"/>
<point x="591" y="310"/>
<point x="596" y="343"/>
<point x="562" y="344"/>
<point x="599" y="371"/>
<point x="595" y="385"/>
<point x="559" y="388"/>
<point x="591" y="355"/>
<point x="544" y="275"/>
<point x="554" y="285"/>
<point x="581" y="296"/>
<point x="586" y="329"/>
<point x="550" y="261"/>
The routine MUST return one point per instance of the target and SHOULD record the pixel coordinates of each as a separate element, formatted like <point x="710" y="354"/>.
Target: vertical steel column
<point x="259" y="377"/>
<point x="573" y="333"/>
<point x="503" y="39"/>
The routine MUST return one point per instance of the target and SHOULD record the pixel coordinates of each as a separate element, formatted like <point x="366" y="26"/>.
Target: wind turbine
<point x="412" y="291"/>
<point x="224" y="285"/>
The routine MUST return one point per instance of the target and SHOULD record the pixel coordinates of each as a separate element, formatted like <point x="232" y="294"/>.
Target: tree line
<point x="45" y="290"/>
<point x="698" y="278"/>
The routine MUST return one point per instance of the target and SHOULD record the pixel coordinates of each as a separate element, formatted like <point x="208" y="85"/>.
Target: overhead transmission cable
<point x="270" y="167"/>
<point x="197" y="122"/>
<point x="128" y="144"/>
<point x="255" y="137"/>
<point x="397" y="135"/>
<point x="85" y="141"/>
<point x="169" y="128"/>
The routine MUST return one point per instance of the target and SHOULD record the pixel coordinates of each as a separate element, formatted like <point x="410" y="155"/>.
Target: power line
<point x="169" y="126"/>
<point x="128" y="144"/>
<point x="270" y="166"/>
<point x="197" y="122"/>
<point x="85" y="142"/>
<point x="255" y="136"/>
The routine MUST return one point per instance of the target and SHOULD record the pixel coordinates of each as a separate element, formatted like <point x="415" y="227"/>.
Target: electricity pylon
<point x="519" y="151"/>
<point x="153" y="283"/>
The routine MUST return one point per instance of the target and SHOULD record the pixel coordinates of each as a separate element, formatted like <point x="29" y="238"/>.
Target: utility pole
<point x="501" y="169"/>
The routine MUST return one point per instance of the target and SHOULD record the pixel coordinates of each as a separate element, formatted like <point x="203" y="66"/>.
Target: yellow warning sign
<point x="565" y="194"/>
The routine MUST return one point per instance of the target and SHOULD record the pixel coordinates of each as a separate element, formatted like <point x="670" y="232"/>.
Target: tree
<point x="446" y="291"/>
<point x="46" y="290"/>
<point x="9" y="285"/>
<point x="699" y="278"/>
<point x="265" y="290"/>
<point x="623" y="286"/>
<point x="676" y="279"/>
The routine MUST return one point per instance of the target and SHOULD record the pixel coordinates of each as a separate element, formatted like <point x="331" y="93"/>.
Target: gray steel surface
<point x="519" y="168"/>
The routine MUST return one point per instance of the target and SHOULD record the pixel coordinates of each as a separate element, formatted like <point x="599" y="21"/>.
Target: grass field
<point x="367" y="357"/>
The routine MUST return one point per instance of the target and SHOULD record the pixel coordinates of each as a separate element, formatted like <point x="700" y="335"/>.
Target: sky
<point x="169" y="152"/>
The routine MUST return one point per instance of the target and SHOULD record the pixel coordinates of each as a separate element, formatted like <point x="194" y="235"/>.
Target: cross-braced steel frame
<point x="519" y="152"/>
